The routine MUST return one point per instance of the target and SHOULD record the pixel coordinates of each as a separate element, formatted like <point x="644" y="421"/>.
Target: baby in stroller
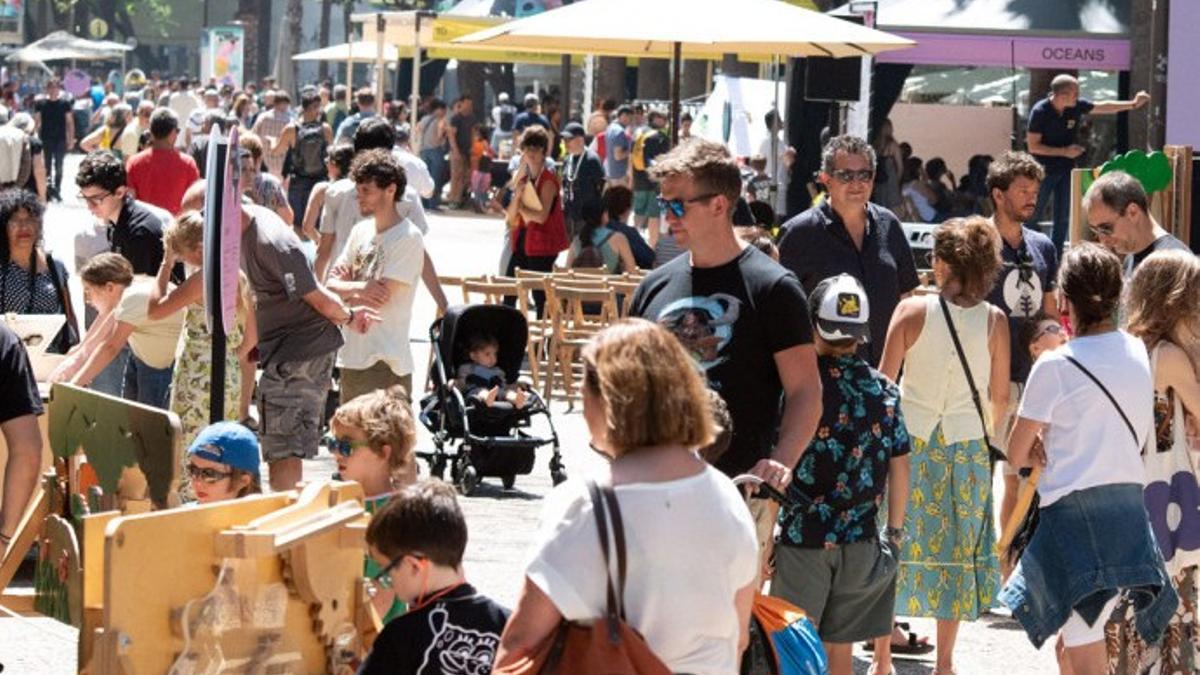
<point x="482" y="381"/>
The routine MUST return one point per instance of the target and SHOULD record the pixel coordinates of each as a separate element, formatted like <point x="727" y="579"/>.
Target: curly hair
<point x="13" y="200"/>
<point x="1011" y="166"/>
<point x="971" y="248"/>
<point x="653" y="394"/>
<point x="383" y="416"/>
<point x="1164" y="290"/>
<point x="102" y="169"/>
<point x="535" y="138"/>
<point x="1090" y="278"/>
<point x="380" y="167"/>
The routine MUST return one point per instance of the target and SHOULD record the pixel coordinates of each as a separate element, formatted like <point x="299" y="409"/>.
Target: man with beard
<point x="1025" y="286"/>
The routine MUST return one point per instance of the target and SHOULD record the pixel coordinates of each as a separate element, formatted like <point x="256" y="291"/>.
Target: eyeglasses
<point x="207" y="475"/>
<point x="1103" y="229"/>
<point x="94" y="200"/>
<point x="849" y="175"/>
<point x="383" y="578"/>
<point x="342" y="446"/>
<point x="679" y="206"/>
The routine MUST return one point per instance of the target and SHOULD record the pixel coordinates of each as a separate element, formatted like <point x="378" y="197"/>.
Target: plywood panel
<point x="953" y="132"/>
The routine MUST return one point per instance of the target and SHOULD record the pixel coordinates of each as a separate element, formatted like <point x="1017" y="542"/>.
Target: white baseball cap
<point x="839" y="309"/>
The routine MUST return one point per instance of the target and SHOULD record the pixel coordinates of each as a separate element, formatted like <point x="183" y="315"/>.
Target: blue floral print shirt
<point x="842" y="476"/>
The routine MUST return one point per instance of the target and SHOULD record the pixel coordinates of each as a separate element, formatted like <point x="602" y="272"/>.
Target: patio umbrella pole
<point x="676" y="67"/>
<point x="416" y="76"/>
<point x="774" y="189"/>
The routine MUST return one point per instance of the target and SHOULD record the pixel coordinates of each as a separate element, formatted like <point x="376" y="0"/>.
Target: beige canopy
<point x="362" y="51"/>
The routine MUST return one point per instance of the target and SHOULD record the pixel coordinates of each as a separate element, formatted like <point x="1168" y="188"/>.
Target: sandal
<point x="913" y="645"/>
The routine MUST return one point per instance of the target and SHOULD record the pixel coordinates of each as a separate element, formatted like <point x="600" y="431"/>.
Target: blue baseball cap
<point x="229" y="443"/>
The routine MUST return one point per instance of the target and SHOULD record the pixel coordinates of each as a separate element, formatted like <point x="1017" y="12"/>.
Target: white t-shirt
<point x="690" y="546"/>
<point x="417" y="173"/>
<point x="397" y="253"/>
<point x="340" y="213"/>
<point x="152" y="341"/>
<point x="1087" y="442"/>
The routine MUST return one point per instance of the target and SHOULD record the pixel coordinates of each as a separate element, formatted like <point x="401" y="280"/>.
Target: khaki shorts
<point x="291" y="405"/>
<point x="355" y="383"/>
<point x="848" y="591"/>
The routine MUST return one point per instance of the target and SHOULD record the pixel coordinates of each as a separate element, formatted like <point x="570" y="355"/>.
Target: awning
<point x="356" y="52"/>
<point x="61" y="46"/>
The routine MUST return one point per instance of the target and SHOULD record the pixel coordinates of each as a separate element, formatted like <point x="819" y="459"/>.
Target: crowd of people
<point x="874" y="408"/>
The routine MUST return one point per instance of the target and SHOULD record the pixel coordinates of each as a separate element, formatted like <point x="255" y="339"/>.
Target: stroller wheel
<point x="558" y="476"/>
<point x="468" y="479"/>
<point x="508" y="480"/>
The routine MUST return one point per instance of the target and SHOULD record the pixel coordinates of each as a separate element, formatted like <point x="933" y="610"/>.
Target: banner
<point x="221" y="56"/>
<point x="12" y="22"/>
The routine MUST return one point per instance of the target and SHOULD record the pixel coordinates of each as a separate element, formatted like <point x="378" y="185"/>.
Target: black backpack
<point x="508" y="117"/>
<point x="590" y="255"/>
<point x="309" y="151"/>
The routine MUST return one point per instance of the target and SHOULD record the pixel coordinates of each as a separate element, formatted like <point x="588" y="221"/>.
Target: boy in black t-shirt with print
<point x="418" y="539"/>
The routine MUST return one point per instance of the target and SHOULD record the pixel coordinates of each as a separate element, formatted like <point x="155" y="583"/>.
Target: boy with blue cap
<point x="223" y="462"/>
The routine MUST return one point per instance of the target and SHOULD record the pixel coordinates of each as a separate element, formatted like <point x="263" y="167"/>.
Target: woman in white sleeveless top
<point x="948" y="568"/>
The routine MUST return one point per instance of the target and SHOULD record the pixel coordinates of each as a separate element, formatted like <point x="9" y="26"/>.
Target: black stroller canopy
<point x="506" y="324"/>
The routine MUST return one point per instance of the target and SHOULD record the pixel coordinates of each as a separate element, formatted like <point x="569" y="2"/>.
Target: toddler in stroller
<point x="481" y="380"/>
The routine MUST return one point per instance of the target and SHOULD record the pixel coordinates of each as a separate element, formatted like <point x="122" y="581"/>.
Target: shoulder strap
<point x="962" y="358"/>
<point x="1112" y="400"/>
<point x="608" y="236"/>
<point x="58" y="276"/>
<point x="612" y="610"/>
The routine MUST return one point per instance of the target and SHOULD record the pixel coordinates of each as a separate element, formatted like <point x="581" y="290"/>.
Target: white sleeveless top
<point x="934" y="388"/>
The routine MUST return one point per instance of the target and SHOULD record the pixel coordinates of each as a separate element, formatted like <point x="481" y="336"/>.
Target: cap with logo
<point x="839" y="309"/>
<point x="228" y="443"/>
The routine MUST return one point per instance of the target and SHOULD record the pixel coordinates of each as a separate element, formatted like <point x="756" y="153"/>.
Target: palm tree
<point x="285" y="68"/>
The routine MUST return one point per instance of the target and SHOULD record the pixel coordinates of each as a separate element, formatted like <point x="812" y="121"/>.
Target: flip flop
<point x="914" y="645"/>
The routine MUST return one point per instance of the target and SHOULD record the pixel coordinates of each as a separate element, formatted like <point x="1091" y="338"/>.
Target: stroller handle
<point x="764" y="490"/>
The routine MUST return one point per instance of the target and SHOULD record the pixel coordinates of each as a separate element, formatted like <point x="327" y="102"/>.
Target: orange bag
<point x="608" y="645"/>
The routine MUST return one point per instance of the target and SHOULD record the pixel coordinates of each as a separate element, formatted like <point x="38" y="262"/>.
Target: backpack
<point x="309" y="151"/>
<point x="638" y="154"/>
<point x="14" y="150"/>
<point x="590" y="256"/>
<point x="508" y="116"/>
<point x="26" y="168"/>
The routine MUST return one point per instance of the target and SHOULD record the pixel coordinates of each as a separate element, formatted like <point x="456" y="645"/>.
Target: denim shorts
<point x="291" y="404"/>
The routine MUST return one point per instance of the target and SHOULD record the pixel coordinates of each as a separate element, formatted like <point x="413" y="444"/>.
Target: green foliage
<point x="1152" y="170"/>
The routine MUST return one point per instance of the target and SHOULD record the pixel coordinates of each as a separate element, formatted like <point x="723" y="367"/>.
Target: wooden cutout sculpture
<point x="262" y="584"/>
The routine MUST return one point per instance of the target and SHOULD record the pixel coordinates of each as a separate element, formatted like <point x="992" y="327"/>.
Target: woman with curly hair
<point x="948" y="569"/>
<point x="31" y="281"/>
<point x="1162" y="308"/>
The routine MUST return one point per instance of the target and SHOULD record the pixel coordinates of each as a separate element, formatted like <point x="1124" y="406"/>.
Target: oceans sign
<point x="1007" y="51"/>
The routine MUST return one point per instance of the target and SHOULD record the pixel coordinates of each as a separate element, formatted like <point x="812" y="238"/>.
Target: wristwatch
<point x="894" y="534"/>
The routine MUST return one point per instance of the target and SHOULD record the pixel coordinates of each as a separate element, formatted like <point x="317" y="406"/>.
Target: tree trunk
<point x="654" y="79"/>
<point x="471" y="79"/>
<point x="695" y="78"/>
<point x="323" y="36"/>
<point x="285" y="68"/>
<point x="610" y="78"/>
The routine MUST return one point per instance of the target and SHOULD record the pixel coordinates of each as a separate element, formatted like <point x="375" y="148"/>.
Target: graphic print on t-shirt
<point x="1022" y="290"/>
<point x="456" y="650"/>
<point x="366" y="262"/>
<point x="703" y="325"/>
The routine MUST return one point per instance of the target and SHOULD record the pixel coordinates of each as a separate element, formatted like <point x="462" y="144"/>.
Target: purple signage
<point x="996" y="51"/>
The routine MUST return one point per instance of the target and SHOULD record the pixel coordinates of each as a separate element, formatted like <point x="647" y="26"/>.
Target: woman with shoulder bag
<point x="689" y="544"/>
<point x="31" y="281"/>
<point x="954" y="348"/>
<point x="1163" y="310"/>
<point x="1091" y="401"/>
<point x="539" y="234"/>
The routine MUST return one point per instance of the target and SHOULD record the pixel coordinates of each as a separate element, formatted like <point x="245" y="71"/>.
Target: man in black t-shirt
<point x="461" y="124"/>
<point x="135" y="228"/>
<point x="20" y="406"/>
<point x="582" y="178"/>
<point x="742" y="316"/>
<point x="1118" y="213"/>
<point x="56" y="128"/>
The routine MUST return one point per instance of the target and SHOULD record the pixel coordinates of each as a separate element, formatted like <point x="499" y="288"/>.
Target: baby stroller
<point x="492" y="441"/>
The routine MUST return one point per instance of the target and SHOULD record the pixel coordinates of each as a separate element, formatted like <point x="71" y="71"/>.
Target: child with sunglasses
<point x="418" y="540"/>
<point x="222" y="463"/>
<point x="372" y="440"/>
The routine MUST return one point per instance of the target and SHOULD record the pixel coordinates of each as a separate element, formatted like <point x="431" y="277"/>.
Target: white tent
<point x="62" y="46"/>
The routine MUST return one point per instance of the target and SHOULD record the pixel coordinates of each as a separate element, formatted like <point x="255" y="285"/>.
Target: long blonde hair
<point x="1164" y="291"/>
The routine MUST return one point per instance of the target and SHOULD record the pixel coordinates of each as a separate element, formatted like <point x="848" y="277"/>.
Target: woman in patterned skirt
<point x="1163" y="309"/>
<point x="948" y="568"/>
<point x="192" y="379"/>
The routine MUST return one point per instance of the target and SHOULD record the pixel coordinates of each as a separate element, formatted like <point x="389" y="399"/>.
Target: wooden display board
<point x="1172" y="207"/>
<point x="268" y="583"/>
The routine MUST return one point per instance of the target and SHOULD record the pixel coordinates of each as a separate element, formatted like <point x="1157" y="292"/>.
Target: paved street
<point x="503" y="524"/>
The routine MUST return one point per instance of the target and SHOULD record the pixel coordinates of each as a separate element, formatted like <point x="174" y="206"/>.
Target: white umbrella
<point x="675" y="28"/>
<point x="61" y="45"/>
<point x="361" y="51"/>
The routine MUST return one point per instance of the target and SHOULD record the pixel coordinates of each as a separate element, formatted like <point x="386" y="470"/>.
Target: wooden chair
<point x="491" y="290"/>
<point x="540" y="328"/>
<point x="623" y="295"/>
<point x="573" y="326"/>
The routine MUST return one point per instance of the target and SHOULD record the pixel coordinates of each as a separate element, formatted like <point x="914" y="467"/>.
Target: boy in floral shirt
<point x="830" y="559"/>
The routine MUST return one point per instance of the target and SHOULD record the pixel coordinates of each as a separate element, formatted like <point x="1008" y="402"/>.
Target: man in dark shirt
<point x="848" y="234"/>
<point x="461" y="124"/>
<point x="56" y="128"/>
<point x="1118" y="213"/>
<point x="583" y="178"/>
<point x="742" y="316"/>
<point x="1052" y="138"/>
<point x="20" y="406"/>
<point x="135" y="228"/>
<point x="530" y="117"/>
<point x="654" y="142"/>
